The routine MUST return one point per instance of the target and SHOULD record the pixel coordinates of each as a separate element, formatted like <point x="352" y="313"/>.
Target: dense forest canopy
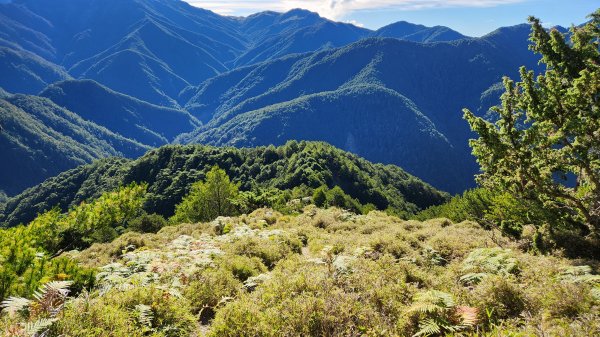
<point x="170" y="171"/>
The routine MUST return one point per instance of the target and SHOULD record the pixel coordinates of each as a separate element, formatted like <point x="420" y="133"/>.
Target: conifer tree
<point x="545" y="144"/>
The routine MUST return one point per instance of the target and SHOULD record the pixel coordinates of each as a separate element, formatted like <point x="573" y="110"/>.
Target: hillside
<point x="144" y="122"/>
<point x="171" y="170"/>
<point x="356" y="274"/>
<point x="39" y="140"/>
<point x="159" y="47"/>
<point x="27" y="73"/>
<point x="368" y="120"/>
<point x="418" y="33"/>
<point x="162" y="46"/>
<point x="296" y="31"/>
<point x="439" y="79"/>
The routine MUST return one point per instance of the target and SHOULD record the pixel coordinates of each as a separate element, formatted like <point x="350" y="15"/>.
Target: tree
<point x="337" y="197"/>
<point x="545" y="145"/>
<point x="320" y="196"/>
<point x="208" y="199"/>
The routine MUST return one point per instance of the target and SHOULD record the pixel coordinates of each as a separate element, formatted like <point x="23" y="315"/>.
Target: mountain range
<point x="163" y="71"/>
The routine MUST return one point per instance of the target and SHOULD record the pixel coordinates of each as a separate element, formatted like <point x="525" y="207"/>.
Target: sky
<point x="470" y="17"/>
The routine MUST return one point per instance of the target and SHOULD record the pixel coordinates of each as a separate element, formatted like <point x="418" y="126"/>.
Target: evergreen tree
<point x="547" y="135"/>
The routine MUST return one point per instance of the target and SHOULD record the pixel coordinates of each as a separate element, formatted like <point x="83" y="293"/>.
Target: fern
<point x="38" y="328"/>
<point x="40" y="312"/>
<point x="144" y="314"/>
<point x="579" y="274"/>
<point x="488" y="261"/>
<point x="13" y="305"/>
<point x="440" y="314"/>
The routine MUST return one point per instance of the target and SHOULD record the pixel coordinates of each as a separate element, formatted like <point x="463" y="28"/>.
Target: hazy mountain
<point x="277" y="34"/>
<point x="148" y="124"/>
<point x="39" y="139"/>
<point x="152" y="49"/>
<point x="238" y="75"/>
<point x="418" y="33"/>
<point x="25" y="72"/>
<point x="368" y="120"/>
<point x="438" y="79"/>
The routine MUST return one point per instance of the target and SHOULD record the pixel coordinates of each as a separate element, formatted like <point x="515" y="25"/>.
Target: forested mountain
<point x="171" y="170"/>
<point x="257" y="80"/>
<point x="27" y="73"/>
<point x="438" y="79"/>
<point x="39" y="139"/>
<point x="155" y="48"/>
<point x="418" y="33"/>
<point x="144" y="122"/>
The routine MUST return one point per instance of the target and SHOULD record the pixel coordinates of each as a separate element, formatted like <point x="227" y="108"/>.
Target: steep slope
<point x="440" y="79"/>
<point x="152" y="49"/>
<point x="297" y="31"/>
<point x="27" y="73"/>
<point x="171" y="170"/>
<point x="148" y="124"/>
<point x="39" y="139"/>
<point x="164" y="44"/>
<point x="418" y="33"/>
<point x="368" y="120"/>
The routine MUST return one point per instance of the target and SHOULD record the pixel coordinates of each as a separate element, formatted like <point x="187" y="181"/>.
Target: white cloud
<point x="356" y="23"/>
<point x="336" y="9"/>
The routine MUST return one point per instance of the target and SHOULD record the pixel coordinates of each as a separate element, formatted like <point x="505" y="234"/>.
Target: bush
<point x="269" y="250"/>
<point x="498" y="298"/>
<point x="147" y="223"/>
<point x="211" y="288"/>
<point x="135" y="312"/>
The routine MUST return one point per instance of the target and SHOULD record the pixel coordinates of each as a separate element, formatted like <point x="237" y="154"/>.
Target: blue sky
<point x="470" y="17"/>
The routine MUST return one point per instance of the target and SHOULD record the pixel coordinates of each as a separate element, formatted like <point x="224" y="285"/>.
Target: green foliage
<point x="499" y="297"/>
<point x="270" y="274"/>
<point x="26" y="252"/>
<point x="543" y="146"/>
<point x="437" y="314"/>
<point x="208" y="199"/>
<point x="147" y="223"/>
<point x="320" y="196"/>
<point x="492" y="209"/>
<point x="139" y="311"/>
<point x="488" y="261"/>
<point x="170" y="171"/>
<point x="40" y="139"/>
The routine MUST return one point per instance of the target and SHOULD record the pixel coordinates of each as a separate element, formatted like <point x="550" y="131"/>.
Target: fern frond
<point x="472" y="278"/>
<point x="428" y="327"/>
<point x="38" y="327"/>
<point x="469" y="316"/>
<point x="12" y="305"/>
<point x="144" y="314"/>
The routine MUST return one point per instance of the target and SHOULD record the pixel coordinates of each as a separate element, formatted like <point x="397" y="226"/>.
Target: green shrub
<point x="211" y="288"/>
<point x="147" y="223"/>
<point x="498" y="298"/>
<point x="117" y="313"/>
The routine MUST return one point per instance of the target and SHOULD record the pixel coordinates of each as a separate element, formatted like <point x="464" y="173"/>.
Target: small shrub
<point x="499" y="297"/>
<point x="147" y="223"/>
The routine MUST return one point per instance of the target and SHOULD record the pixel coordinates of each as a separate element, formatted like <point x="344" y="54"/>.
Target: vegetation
<point x="39" y="139"/>
<point x="31" y="255"/>
<point x="308" y="240"/>
<point x="543" y="147"/>
<point x="373" y="275"/>
<point x="208" y="199"/>
<point x="266" y="172"/>
<point x="143" y="122"/>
